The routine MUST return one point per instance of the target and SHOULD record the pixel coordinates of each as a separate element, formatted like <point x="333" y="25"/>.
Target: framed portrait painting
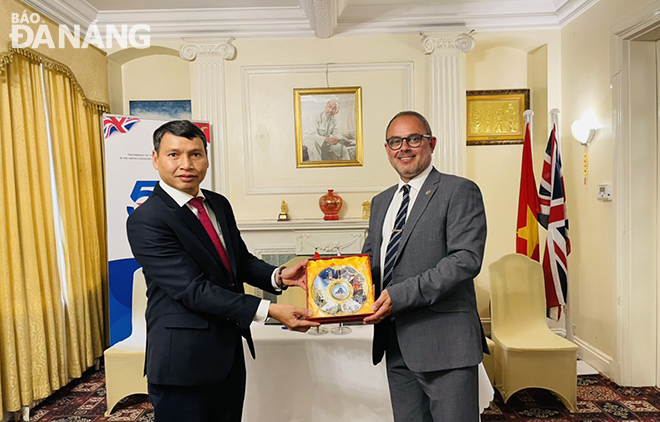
<point x="496" y="116"/>
<point x="328" y="123"/>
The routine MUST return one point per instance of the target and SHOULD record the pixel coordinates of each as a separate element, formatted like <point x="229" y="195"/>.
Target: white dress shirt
<point x="390" y="217"/>
<point x="183" y="199"/>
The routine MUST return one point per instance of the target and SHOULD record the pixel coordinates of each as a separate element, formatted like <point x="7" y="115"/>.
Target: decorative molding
<point x="304" y="237"/>
<point x="323" y="245"/>
<point x="570" y="10"/>
<point x="448" y="114"/>
<point x="594" y="357"/>
<point x="463" y="43"/>
<point x="324" y="18"/>
<point x="407" y="68"/>
<point x="70" y="13"/>
<point x="246" y="22"/>
<point x="322" y="15"/>
<point x="207" y="80"/>
<point x="293" y="225"/>
<point x="226" y="51"/>
<point x="259" y="251"/>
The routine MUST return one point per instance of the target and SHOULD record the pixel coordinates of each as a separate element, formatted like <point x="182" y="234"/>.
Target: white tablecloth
<point x="304" y="378"/>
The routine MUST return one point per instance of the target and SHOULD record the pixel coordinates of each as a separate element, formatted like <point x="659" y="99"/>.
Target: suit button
<point x="231" y="284"/>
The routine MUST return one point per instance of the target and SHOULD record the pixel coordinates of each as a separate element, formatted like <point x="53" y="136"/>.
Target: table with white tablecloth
<point x="301" y="378"/>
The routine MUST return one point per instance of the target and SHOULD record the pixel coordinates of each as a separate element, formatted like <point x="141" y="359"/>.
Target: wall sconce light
<point x="583" y="131"/>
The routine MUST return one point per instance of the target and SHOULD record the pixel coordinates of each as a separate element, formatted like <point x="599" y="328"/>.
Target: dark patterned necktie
<point x="395" y="239"/>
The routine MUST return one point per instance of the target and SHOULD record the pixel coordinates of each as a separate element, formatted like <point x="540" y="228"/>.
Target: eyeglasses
<point x="415" y="140"/>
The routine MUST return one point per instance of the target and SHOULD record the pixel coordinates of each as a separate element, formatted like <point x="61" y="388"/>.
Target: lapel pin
<point x="428" y="192"/>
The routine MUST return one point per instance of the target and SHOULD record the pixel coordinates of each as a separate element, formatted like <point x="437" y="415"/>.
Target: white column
<point x="448" y="113"/>
<point x="207" y="80"/>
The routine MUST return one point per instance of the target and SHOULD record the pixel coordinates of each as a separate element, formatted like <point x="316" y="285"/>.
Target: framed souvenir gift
<point x="339" y="289"/>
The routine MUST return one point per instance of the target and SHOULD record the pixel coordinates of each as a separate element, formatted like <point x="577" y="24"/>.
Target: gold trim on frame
<point x="297" y="94"/>
<point x="495" y="117"/>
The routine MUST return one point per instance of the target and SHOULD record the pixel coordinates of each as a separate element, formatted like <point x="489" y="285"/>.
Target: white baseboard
<point x="559" y="331"/>
<point x="594" y="357"/>
<point x="588" y="353"/>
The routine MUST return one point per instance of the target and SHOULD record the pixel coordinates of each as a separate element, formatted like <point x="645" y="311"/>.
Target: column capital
<point x="219" y="48"/>
<point x="463" y="42"/>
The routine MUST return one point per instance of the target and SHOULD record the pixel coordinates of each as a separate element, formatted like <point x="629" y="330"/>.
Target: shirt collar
<point x="181" y="198"/>
<point x="417" y="181"/>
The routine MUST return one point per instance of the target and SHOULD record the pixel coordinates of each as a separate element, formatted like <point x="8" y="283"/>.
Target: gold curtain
<point x="78" y="165"/>
<point x="51" y="328"/>
<point x="31" y="321"/>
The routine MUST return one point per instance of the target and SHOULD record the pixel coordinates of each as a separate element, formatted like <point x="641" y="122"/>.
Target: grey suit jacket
<point x="432" y="290"/>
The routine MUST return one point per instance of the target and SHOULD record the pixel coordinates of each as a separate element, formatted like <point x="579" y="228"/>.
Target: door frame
<point x="629" y="243"/>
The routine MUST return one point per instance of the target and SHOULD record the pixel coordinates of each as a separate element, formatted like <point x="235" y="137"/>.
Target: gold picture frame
<point x="328" y="124"/>
<point x="495" y="117"/>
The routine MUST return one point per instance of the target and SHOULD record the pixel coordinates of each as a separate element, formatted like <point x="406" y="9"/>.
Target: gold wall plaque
<point x="496" y="116"/>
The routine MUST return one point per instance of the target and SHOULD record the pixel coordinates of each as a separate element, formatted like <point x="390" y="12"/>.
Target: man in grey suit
<point x="426" y="243"/>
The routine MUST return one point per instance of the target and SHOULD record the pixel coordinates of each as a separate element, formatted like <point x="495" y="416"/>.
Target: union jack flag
<point x="554" y="218"/>
<point x="112" y="124"/>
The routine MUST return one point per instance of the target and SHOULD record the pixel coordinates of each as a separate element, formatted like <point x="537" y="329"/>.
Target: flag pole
<point x="528" y="115"/>
<point x="554" y="121"/>
<point x="568" y="321"/>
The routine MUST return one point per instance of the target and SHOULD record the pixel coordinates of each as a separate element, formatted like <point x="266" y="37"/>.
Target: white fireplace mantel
<point x="304" y="237"/>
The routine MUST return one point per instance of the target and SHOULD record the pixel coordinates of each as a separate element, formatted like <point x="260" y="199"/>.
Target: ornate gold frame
<point x="495" y="117"/>
<point x="297" y="98"/>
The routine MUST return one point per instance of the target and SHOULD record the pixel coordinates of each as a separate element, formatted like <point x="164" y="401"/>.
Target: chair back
<point x="517" y="293"/>
<point x="139" y="306"/>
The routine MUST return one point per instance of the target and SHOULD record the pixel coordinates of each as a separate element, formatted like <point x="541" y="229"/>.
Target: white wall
<point x="157" y="77"/>
<point x="508" y="62"/>
<point x="586" y="85"/>
<point x="393" y="73"/>
<point x="260" y="118"/>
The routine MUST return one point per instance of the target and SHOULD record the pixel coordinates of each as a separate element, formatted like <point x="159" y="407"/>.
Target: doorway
<point x="635" y="124"/>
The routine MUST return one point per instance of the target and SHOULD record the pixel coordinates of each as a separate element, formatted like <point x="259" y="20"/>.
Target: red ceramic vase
<point x="330" y="205"/>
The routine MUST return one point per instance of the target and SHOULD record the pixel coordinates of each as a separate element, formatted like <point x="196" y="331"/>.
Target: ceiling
<point x="306" y="18"/>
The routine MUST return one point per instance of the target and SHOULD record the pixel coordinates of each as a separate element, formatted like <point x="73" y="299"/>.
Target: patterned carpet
<point x="599" y="400"/>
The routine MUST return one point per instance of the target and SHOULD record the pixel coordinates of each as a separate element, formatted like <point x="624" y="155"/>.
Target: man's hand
<point x="383" y="308"/>
<point x="332" y="140"/>
<point x="293" y="317"/>
<point x="295" y="275"/>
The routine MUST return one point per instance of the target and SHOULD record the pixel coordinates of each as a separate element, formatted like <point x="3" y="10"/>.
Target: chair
<point x="124" y="361"/>
<point x="489" y="361"/>
<point x="528" y="354"/>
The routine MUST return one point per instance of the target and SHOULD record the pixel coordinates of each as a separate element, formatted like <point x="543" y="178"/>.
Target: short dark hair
<point x="182" y="128"/>
<point x="421" y="118"/>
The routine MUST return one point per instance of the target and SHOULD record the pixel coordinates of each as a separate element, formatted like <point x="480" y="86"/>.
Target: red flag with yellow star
<point x="527" y="235"/>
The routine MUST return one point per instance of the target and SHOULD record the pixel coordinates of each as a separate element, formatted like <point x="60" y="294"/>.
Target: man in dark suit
<point x="195" y="263"/>
<point x="426" y="243"/>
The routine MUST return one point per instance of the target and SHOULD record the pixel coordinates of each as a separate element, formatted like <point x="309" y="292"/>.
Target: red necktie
<point x="208" y="226"/>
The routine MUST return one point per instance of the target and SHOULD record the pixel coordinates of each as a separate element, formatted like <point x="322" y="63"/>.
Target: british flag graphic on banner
<point x="554" y="218"/>
<point x="112" y="124"/>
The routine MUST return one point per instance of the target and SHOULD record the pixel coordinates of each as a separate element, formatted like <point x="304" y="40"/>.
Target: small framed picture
<point x="339" y="289"/>
<point x="496" y="116"/>
<point x="328" y="127"/>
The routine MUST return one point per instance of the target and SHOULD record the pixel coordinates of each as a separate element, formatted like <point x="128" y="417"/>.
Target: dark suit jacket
<point x="196" y="312"/>
<point x="432" y="289"/>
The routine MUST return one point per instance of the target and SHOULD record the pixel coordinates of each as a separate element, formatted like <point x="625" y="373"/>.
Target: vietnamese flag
<point x="527" y="234"/>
